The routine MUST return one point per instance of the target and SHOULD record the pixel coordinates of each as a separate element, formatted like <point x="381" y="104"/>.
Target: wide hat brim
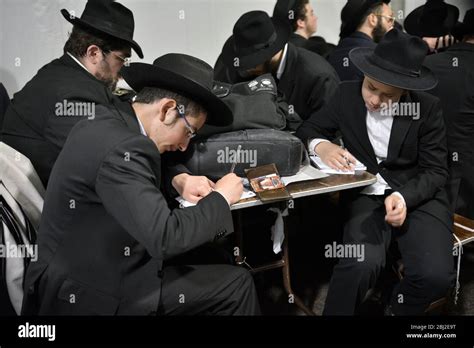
<point x="245" y="62"/>
<point x="360" y="57"/>
<point x="412" y="22"/>
<point x="141" y="75"/>
<point x="106" y="29"/>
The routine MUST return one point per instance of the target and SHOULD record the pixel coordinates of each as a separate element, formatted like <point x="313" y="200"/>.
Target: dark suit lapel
<point x="400" y="127"/>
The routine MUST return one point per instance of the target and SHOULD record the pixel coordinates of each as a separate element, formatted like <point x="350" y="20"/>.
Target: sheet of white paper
<point x="328" y="170"/>
<point x="184" y="203"/>
<point x="305" y="173"/>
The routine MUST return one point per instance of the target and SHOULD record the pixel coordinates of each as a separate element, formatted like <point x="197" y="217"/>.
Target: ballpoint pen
<point x="236" y="159"/>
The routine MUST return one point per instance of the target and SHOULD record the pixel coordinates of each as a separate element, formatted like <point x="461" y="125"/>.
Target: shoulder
<point x="312" y="63"/>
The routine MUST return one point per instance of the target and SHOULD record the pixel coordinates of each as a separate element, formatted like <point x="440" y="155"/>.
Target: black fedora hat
<point x="108" y="17"/>
<point x="182" y="74"/>
<point x="433" y="19"/>
<point x="282" y="10"/>
<point x="466" y="27"/>
<point x="256" y="39"/>
<point x="352" y="14"/>
<point x="396" y="61"/>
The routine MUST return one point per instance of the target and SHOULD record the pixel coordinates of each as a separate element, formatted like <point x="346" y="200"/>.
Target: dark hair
<point x="80" y="39"/>
<point x="149" y="95"/>
<point x="299" y="12"/>
<point x="375" y="8"/>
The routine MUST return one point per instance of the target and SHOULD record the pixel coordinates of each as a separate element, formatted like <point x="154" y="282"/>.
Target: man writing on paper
<point x="407" y="152"/>
<point x="106" y="228"/>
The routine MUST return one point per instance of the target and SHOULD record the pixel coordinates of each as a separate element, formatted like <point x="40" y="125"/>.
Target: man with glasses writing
<point x="70" y="88"/>
<point x="364" y="23"/>
<point x="115" y="242"/>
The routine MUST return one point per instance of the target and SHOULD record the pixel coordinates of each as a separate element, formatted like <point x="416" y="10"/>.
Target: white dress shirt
<point x="281" y="67"/>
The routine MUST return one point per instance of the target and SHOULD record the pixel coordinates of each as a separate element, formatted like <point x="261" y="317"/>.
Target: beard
<point x="379" y="31"/>
<point x="106" y="75"/>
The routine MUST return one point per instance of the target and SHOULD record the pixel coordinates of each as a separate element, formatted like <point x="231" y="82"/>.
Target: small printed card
<point x="266" y="182"/>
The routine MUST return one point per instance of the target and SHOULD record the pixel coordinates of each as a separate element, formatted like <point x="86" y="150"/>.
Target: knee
<point x="436" y="282"/>
<point x="433" y="282"/>
<point x="368" y="263"/>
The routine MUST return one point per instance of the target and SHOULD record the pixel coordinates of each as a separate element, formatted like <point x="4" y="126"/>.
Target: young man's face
<point x="311" y="21"/>
<point x="377" y="94"/>
<point x="175" y="131"/>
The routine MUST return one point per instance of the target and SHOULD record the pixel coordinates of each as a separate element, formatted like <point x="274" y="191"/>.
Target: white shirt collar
<point x="281" y="67"/>
<point x="142" y="129"/>
<point x="78" y="62"/>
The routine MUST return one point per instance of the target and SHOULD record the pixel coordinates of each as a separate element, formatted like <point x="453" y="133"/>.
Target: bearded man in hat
<point x="397" y="131"/>
<point x="364" y="23"/>
<point x="106" y="229"/>
<point x="259" y="45"/>
<point x="454" y="69"/>
<point x="69" y="88"/>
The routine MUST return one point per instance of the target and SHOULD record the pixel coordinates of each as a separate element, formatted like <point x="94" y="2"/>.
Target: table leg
<point x="286" y="274"/>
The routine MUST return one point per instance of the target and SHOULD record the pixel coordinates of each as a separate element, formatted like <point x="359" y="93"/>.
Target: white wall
<point x="33" y="32"/>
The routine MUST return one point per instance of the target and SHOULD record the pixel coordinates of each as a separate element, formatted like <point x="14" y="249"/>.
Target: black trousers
<point x="208" y="290"/>
<point x="425" y="245"/>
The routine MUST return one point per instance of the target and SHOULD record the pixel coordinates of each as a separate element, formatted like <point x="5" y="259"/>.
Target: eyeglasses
<point x="390" y="19"/>
<point x="191" y="132"/>
<point x="126" y="60"/>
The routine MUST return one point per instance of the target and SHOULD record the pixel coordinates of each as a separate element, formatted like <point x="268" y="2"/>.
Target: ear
<point x="93" y="54"/>
<point x="300" y="23"/>
<point x="167" y="110"/>
<point x="372" y="20"/>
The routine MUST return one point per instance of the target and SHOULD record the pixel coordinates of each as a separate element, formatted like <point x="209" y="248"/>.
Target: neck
<point x="86" y="64"/>
<point x="366" y="30"/>
<point x="141" y="114"/>
<point x="275" y="63"/>
<point x="302" y="32"/>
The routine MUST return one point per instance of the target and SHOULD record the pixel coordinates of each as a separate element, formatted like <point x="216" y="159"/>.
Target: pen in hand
<point x="236" y="159"/>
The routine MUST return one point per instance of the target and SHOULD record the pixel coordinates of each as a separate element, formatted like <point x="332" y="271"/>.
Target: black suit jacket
<point x="31" y="123"/>
<point x="4" y="102"/>
<point x="106" y="227"/>
<point x="339" y="58"/>
<point x="416" y="164"/>
<point x="454" y="69"/>
<point x="307" y="83"/>
<point x="297" y="40"/>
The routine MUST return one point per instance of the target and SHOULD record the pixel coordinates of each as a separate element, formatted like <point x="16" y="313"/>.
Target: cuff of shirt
<point x="312" y="145"/>
<point x="400" y="195"/>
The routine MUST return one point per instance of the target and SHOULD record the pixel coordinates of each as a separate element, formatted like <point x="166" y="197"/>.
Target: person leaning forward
<point x="106" y="228"/>
<point x="407" y="152"/>
<point x="260" y="45"/>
